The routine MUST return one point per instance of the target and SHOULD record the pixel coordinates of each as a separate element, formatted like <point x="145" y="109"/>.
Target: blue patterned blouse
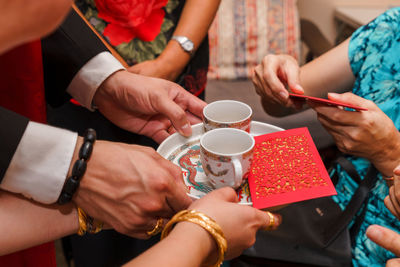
<point x="374" y="54"/>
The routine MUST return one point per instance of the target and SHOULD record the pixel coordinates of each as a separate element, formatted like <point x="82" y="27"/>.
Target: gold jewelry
<point x="88" y="224"/>
<point x="271" y="224"/>
<point x="158" y="228"/>
<point x="204" y="221"/>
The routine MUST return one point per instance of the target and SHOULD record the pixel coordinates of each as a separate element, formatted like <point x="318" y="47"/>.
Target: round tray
<point x="185" y="152"/>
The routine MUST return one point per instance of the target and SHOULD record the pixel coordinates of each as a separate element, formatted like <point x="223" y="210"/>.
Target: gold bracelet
<point x="88" y="224"/>
<point x="204" y="221"/>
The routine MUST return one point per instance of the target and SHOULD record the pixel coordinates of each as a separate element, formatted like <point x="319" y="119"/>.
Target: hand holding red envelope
<point x="325" y="101"/>
<point x="287" y="168"/>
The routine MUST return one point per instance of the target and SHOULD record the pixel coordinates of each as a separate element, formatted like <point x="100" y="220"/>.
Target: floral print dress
<point x="374" y="55"/>
<point x="139" y="30"/>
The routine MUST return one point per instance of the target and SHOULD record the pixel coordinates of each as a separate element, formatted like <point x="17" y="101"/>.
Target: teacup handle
<point x="238" y="172"/>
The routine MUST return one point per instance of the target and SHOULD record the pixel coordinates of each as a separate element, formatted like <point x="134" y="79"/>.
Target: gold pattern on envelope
<point x="283" y="165"/>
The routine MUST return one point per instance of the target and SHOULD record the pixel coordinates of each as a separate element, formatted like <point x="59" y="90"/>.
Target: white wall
<point x="321" y="12"/>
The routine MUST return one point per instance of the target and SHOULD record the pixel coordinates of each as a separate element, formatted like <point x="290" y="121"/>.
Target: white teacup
<point x="227" y="114"/>
<point x="226" y="155"/>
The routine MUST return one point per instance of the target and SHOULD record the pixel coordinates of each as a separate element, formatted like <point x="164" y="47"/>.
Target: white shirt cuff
<point x="41" y="162"/>
<point x="89" y="78"/>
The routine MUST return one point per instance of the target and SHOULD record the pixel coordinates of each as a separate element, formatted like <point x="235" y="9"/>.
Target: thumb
<point x="348" y="98"/>
<point x="225" y="193"/>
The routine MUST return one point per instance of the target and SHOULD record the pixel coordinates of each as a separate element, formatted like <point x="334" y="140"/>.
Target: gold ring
<point x="157" y="229"/>
<point x="271" y="224"/>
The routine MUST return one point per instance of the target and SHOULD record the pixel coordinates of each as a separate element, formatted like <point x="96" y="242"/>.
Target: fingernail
<point x="278" y="219"/>
<point x="335" y="95"/>
<point x="186" y="130"/>
<point x="396" y="171"/>
<point x="283" y="94"/>
<point x="374" y="232"/>
<point x="299" y="88"/>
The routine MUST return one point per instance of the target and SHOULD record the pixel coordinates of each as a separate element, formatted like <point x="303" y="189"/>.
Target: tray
<point x="185" y="152"/>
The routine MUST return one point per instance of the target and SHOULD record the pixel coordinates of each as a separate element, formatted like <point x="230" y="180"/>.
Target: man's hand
<point x="148" y="106"/>
<point x="129" y="187"/>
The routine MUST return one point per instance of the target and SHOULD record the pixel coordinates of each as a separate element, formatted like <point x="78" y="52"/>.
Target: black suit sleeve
<point x="65" y="52"/>
<point x="11" y="130"/>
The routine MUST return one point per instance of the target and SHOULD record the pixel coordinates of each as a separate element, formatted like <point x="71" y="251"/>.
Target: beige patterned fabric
<point x="244" y="31"/>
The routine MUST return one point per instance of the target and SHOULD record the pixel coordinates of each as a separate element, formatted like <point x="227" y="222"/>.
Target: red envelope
<point x="287" y="168"/>
<point x="325" y="101"/>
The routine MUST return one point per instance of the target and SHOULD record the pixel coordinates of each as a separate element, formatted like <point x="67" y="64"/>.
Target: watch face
<point x="188" y="46"/>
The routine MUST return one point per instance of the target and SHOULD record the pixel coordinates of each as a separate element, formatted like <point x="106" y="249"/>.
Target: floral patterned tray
<point x="185" y="152"/>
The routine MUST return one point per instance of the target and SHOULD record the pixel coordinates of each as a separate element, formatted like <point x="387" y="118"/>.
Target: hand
<point x="222" y="206"/>
<point x="129" y="187"/>
<point x="273" y="75"/>
<point x="392" y="201"/>
<point x="148" y="106"/>
<point x="368" y="134"/>
<point x="157" y="68"/>
<point x="387" y="239"/>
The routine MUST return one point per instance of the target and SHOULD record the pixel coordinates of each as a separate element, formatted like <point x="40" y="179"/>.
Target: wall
<point x="321" y="12"/>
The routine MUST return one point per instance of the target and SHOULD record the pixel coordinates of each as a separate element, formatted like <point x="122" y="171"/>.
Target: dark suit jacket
<point x="64" y="53"/>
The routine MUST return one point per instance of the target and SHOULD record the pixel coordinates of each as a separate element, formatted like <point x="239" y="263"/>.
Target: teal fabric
<point x="374" y="54"/>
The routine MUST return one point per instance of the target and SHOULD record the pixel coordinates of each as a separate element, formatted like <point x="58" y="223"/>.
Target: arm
<point x="25" y="224"/>
<point x="330" y="72"/>
<point x="190" y="245"/>
<point x="75" y="61"/>
<point x="194" y="22"/>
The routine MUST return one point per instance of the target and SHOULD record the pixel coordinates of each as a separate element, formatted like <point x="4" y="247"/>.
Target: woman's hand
<point x="239" y="223"/>
<point x="392" y="201"/>
<point x="368" y="134"/>
<point x="157" y="68"/>
<point x="274" y="75"/>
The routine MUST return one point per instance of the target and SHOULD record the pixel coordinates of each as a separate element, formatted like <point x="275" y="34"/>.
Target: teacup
<point x="227" y="114"/>
<point x="226" y="155"/>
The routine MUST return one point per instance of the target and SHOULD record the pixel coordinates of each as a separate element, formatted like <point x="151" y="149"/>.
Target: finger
<point x="335" y="114"/>
<point x="225" y="193"/>
<point x="350" y="98"/>
<point x="261" y="86"/>
<point x="394" y="202"/>
<point x="292" y="77"/>
<point x="193" y="119"/>
<point x="385" y="238"/>
<point x="176" y="173"/>
<point x="173" y="111"/>
<point x="393" y="263"/>
<point x="269" y="221"/>
<point x="271" y="68"/>
<point x="390" y="207"/>
<point x="334" y="126"/>
<point x="194" y="105"/>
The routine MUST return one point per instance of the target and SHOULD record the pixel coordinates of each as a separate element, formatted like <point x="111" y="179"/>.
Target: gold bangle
<point x="204" y="221"/>
<point x="88" y="224"/>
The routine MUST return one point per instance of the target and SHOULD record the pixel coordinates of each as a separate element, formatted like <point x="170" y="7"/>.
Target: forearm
<point x="187" y="245"/>
<point x="330" y="72"/>
<point x="194" y="22"/>
<point x="26" y="223"/>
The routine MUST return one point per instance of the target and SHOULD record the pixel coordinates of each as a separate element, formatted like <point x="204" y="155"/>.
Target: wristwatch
<point x="186" y="44"/>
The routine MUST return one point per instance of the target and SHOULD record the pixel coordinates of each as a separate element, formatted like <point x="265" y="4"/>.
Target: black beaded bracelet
<point x="79" y="168"/>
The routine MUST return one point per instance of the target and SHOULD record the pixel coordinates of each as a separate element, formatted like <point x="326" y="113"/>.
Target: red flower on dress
<point x="128" y="19"/>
